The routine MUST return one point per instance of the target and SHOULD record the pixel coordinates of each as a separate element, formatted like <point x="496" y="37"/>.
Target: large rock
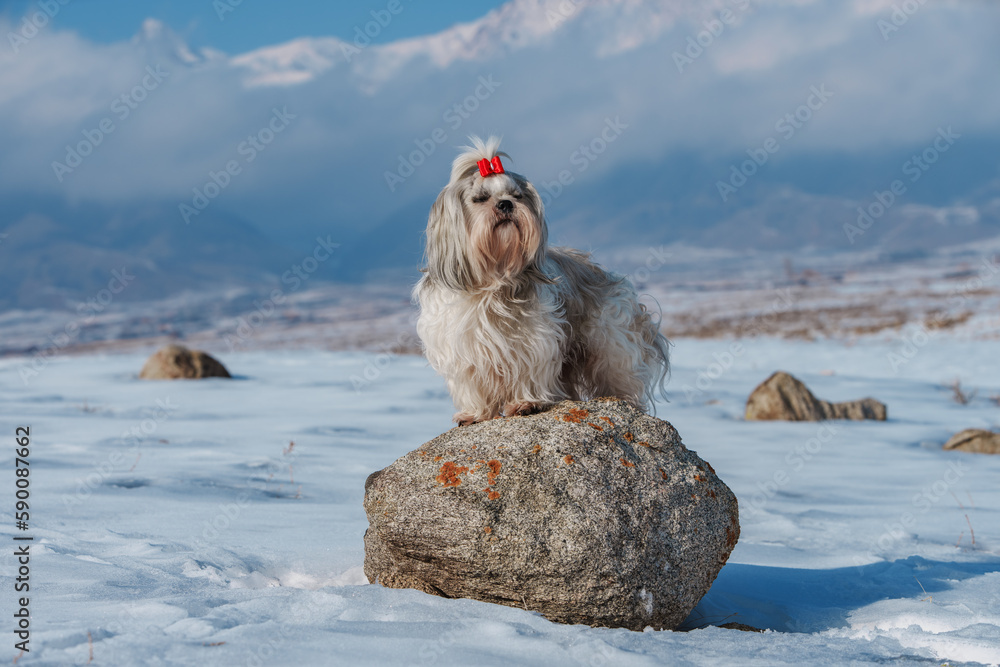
<point x="175" y="362"/>
<point x="975" y="440"/>
<point x="587" y="513"/>
<point x="783" y="397"/>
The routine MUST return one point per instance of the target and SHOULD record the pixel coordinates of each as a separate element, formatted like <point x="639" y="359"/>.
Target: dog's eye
<point x="517" y="195"/>
<point x="479" y="199"/>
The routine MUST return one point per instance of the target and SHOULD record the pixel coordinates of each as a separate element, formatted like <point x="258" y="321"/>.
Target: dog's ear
<point x="447" y="259"/>
<point x="535" y="201"/>
<point x="533" y="197"/>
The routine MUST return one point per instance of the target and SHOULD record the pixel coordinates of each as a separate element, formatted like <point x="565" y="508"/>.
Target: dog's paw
<point x="520" y="409"/>
<point x="464" y="419"/>
<point x="467" y="419"/>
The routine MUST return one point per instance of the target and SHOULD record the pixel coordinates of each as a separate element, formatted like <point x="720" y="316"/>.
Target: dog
<point x="514" y="325"/>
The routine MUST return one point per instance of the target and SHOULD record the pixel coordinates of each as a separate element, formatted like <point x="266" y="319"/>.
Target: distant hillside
<point x="728" y="125"/>
<point x="53" y="254"/>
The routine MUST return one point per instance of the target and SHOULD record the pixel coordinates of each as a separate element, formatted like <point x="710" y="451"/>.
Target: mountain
<point x="634" y="118"/>
<point x="56" y="254"/>
<point x="610" y="26"/>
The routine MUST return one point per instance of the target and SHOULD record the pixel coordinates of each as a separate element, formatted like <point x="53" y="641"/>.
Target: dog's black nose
<point x="505" y="206"/>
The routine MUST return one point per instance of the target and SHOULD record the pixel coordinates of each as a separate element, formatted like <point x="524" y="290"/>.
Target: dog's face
<point x="503" y="222"/>
<point x="484" y="231"/>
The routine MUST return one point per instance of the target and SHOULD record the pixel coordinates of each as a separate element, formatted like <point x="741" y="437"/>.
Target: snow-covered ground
<point x="175" y="523"/>
<point x="700" y="293"/>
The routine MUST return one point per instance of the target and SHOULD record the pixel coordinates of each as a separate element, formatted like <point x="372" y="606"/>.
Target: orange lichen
<point x="711" y="493"/>
<point x="700" y="478"/>
<point x="438" y="458"/>
<point x="626" y="463"/>
<point x="575" y="416"/>
<point x="643" y="443"/>
<point x="608" y="419"/>
<point x="491" y="494"/>
<point x="536" y="449"/>
<point x="448" y="475"/>
<point x="475" y="446"/>
<point x="628" y="436"/>
<point x="595" y="426"/>
<point x="568" y="459"/>
<point x="422" y="453"/>
<point x="663" y="474"/>
<point x="487" y="530"/>
<point x="710" y="468"/>
<point x="491" y="476"/>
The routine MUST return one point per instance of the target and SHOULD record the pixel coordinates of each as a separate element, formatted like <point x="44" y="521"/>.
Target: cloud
<point x="560" y="77"/>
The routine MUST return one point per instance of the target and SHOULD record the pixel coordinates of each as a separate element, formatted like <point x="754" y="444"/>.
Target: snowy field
<point x="175" y="523"/>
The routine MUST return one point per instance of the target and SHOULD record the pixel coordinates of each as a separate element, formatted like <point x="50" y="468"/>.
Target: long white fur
<point x="514" y="325"/>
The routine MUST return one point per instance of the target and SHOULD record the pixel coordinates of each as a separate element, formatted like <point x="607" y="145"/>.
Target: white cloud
<point x="559" y="82"/>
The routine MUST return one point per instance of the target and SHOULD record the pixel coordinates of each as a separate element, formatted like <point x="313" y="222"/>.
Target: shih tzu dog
<point x="514" y="325"/>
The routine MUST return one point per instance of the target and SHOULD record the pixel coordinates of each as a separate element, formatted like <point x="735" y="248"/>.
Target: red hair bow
<point x="487" y="168"/>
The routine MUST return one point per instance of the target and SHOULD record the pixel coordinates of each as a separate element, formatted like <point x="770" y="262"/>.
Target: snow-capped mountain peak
<point x="610" y="27"/>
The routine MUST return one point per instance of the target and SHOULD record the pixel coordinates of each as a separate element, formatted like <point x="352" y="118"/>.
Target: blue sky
<point x="253" y="24"/>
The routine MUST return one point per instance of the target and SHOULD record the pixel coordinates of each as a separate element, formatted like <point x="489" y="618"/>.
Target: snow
<point x="175" y="524"/>
<point x="511" y="27"/>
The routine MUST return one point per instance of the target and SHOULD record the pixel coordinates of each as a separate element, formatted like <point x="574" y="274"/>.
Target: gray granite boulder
<point x="176" y="362"/>
<point x="975" y="440"/>
<point x="784" y="397"/>
<point x="589" y="513"/>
